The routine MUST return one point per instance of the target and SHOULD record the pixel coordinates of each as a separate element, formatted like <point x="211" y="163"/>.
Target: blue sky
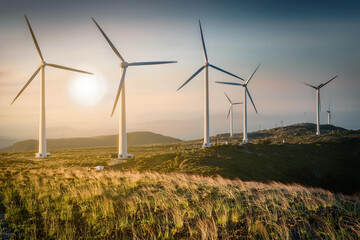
<point x="297" y="41"/>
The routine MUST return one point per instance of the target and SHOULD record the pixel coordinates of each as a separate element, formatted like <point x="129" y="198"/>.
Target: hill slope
<point x="73" y="203"/>
<point x="330" y="161"/>
<point x="134" y="139"/>
<point x="165" y="192"/>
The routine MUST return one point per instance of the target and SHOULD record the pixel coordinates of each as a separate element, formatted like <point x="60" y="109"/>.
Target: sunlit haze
<point x="87" y="90"/>
<point x="309" y="43"/>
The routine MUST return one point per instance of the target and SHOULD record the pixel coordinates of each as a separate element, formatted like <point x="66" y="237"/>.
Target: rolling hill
<point x="134" y="139"/>
<point x="286" y="183"/>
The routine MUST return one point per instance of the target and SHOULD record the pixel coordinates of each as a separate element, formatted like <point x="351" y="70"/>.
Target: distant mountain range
<point x="134" y="139"/>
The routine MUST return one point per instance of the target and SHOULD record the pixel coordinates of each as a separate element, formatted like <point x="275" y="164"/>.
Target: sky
<point x="296" y="41"/>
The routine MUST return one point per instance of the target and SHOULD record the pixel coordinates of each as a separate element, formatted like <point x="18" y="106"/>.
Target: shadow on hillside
<point x="333" y="166"/>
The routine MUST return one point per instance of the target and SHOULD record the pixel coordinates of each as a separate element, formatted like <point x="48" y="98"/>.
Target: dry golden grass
<point x="78" y="202"/>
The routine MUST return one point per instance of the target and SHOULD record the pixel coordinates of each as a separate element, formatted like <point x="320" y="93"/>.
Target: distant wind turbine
<point x="329" y="113"/>
<point x="42" y="129"/>
<point x="206" y="88"/>
<point x="246" y="92"/>
<point x="318" y="103"/>
<point x="123" y="154"/>
<point x="231" y="113"/>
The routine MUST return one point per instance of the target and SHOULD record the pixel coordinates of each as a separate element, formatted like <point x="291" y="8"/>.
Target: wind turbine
<point x="246" y="92"/>
<point x="42" y="129"/>
<point x="231" y="113"/>
<point x="318" y="104"/>
<point x="329" y="113"/>
<point x="206" y="88"/>
<point x="123" y="154"/>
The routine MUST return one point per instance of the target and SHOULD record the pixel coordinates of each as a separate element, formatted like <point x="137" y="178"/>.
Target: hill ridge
<point x="134" y="139"/>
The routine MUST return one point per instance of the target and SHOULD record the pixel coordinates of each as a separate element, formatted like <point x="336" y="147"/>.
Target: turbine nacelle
<point x="124" y="65"/>
<point x="206" y="64"/>
<point x="42" y="64"/>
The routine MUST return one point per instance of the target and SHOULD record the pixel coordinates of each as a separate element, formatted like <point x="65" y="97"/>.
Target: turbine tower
<point x="318" y="104"/>
<point x="42" y="128"/>
<point x="246" y="92"/>
<point x="123" y="154"/>
<point x="230" y="113"/>
<point x="329" y="114"/>
<point x="206" y="88"/>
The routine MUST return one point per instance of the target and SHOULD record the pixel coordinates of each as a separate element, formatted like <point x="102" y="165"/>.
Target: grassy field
<point x="73" y="203"/>
<point x="182" y="191"/>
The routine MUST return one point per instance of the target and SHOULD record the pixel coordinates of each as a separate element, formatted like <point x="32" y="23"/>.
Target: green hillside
<point x="179" y="190"/>
<point x="134" y="139"/>
<point x="330" y="161"/>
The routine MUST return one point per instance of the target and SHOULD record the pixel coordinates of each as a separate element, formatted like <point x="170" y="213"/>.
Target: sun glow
<point x="87" y="90"/>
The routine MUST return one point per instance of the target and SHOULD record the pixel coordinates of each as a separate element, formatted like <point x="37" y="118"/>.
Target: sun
<point x="87" y="90"/>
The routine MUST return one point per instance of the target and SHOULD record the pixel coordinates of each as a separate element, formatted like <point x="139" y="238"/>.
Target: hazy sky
<point x="296" y="41"/>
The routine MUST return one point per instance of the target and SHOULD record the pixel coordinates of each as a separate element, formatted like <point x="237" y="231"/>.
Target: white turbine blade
<point x="237" y="103"/>
<point x="109" y="42"/>
<point x="227" y="97"/>
<point x="247" y="81"/>
<point x="196" y="73"/>
<point x="321" y="85"/>
<point x="222" y="70"/>
<point x="230" y="83"/>
<point x="119" y="90"/>
<point x="203" y="43"/>
<point x="28" y="82"/>
<point x="251" y="100"/>
<point x="67" y="68"/>
<point x="228" y="113"/>
<point x="310" y="85"/>
<point x="150" y="63"/>
<point x="34" y="39"/>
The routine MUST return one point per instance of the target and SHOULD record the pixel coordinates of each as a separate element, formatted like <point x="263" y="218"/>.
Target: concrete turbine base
<point x="125" y="156"/>
<point x="40" y="155"/>
<point x="205" y="145"/>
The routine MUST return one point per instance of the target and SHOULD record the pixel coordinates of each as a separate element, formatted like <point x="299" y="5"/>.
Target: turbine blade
<point x="34" y="39"/>
<point x="196" y="73"/>
<point x="222" y="70"/>
<point x="247" y="81"/>
<point x="203" y="43"/>
<point x="321" y="85"/>
<point x="150" y="63"/>
<point x="310" y="85"/>
<point x="237" y="103"/>
<point x="109" y="42"/>
<point x="251" y="100"/>
<point x="230" y="83"/>
<point x="67" y="68"/>
<point x="119" y="90"/>
<point x="28" y="82"/>
<point x="227" y="97"/>
<point x="228" y="113"/>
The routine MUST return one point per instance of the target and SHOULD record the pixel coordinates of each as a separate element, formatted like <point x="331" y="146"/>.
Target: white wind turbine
<point x="123" y="154"/>
<point x="230" y="113"/>
<point x="42" y="129"/>
<point x="246" y="92"/>
<point x="318" y="104"/>
<point x="206" y="89"/>
<point x="329" y="113"/>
